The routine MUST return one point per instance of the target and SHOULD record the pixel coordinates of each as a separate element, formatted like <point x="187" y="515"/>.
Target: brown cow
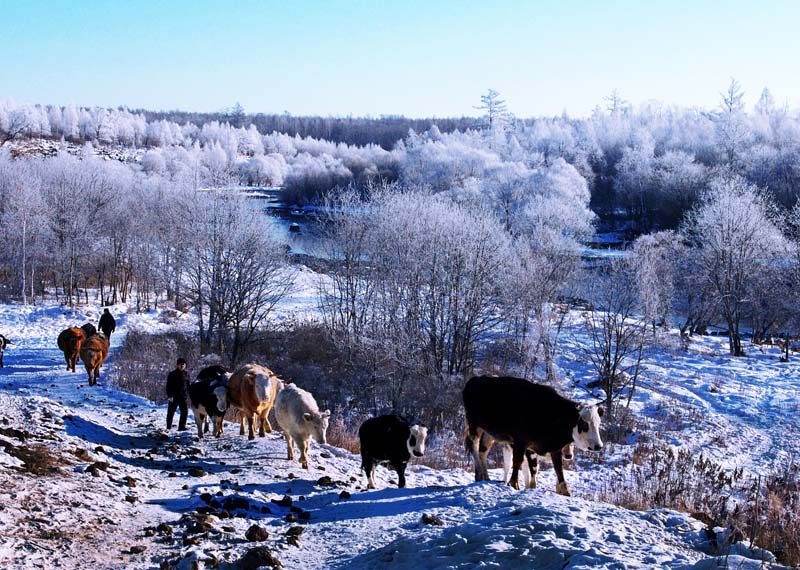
<point x="70" y="341"/>
<point x="252" y="390"/>
<point x="94" y="352"/>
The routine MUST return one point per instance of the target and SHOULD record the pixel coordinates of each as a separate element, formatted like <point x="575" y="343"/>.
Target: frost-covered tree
<point x="496" y="115"/>
<point x="735" y="234"/>
<point x="730" y="122"/>
<point x="616" y="332"/>
<point x="70" y="127"/>
<point x="22" y="222"/>
<point x="654" y="262"/>
<point x="14" y="122"/>
<point x="236" y="270"/>
<point x="417" y="290"/>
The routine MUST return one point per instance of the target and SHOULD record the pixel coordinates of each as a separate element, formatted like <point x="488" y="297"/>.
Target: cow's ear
<point x="326" y="414"/>
<point x="600" y="412"/>
<point x="307" y="417"/>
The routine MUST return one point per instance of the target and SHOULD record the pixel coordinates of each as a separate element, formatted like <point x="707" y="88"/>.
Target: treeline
<point x="645" y="167"/>
<point x="384" y="131"/>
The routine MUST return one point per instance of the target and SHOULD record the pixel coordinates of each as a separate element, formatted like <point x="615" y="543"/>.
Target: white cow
<point x="299" y="417"/>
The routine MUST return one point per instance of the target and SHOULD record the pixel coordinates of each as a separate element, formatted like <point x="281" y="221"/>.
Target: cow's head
<point x="262" y="384"/>
<point x="221" y="392"/>
<point x="586" y="433"/>
<point x="416" y="440"/>
<point x="317" y="424"/>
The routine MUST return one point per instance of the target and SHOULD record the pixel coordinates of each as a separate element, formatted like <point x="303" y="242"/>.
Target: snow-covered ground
<point x="130" y="495"/>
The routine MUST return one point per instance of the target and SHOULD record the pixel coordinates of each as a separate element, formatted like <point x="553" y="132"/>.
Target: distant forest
<point x="645" y="166"/>
<point x="384" y="131"/>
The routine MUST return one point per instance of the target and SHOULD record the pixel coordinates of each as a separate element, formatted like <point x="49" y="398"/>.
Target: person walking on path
<point x="178" y="394"/>
<point x="107" y="323"/>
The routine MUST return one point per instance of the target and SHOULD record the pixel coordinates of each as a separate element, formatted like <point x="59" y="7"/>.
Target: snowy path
<point x="206" y="494"/>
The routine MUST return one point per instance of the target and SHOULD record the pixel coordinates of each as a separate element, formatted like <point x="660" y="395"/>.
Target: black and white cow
<point x="527" y="416"/>
<point x="209" y="398"/>
<point x="390" y="439"/>
<point x="4" y="342"/>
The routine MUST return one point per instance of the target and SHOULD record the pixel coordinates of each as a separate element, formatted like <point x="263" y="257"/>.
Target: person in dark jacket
<point x="178" y="394"/>
<point x="107" y="323"/>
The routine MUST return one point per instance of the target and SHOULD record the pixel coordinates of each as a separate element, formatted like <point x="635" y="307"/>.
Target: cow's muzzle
<point x="598" y="447"/>
<point x="417" y="453"/>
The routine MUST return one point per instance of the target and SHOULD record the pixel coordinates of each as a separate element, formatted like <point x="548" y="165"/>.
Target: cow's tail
<point x="467" y="446"/>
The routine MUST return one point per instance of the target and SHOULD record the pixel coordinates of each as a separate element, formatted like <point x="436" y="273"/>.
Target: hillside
<point x="113" y="490"/>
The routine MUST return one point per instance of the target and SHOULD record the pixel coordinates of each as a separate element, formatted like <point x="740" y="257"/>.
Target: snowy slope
<point x="144" y="477"/>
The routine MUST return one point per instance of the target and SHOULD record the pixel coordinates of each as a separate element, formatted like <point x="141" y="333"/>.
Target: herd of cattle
<point x="527" y="419"/>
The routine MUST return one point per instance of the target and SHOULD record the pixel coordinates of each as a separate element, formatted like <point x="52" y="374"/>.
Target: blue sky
<point x="415" y="58"/>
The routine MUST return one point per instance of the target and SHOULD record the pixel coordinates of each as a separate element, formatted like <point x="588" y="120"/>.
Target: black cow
<point x="390" y="439"/>
<point x="527" y="416"/>
<point x="209" y="398"/>
<point x="88" y="329"/>
<point x="4" y="342"/>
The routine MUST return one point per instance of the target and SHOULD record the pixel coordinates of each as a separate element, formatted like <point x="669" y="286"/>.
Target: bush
<point x="764" y="510"/>
<point x="144" y="361"/>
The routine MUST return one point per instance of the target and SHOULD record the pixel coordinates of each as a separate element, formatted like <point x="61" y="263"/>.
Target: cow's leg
<point x="506" y="462"/>
<point x="561" y="486"/>
<point x="526" y="466"/>
<point x="216" y="421"/>
<point x="533" y="469"/>
<point x="518" y="454"/>
<point x="241" y="423"/>
<point x="474" y="444"/>
<point x="262" y="426"/>
<point x="401" y="474"/>
<point x="485" y="444"/>
<point x="289" y="445"/>
<point x="368" y="465"/>
<point x="199" y="419"/>
<point x="303" y="445"/>
<point x="251" y="430"/>
<point x="267" y="426"/>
